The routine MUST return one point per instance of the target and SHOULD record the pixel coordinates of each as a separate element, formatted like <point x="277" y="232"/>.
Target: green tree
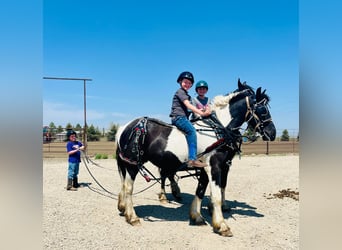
<point x="68" y="126"/>
<point x="52" y="125"/>
<point x="78" y="127"/>
<point x="93" y="134"/>
<point x="285" y="136"/>
<point x="53" y="128"/>
<point x="59" y="129"/>
<point x="250" y="134"/>
<point x="112" y="132"/>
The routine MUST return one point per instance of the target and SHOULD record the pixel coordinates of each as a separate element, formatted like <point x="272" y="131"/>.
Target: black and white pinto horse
<point x="147" y="139"/>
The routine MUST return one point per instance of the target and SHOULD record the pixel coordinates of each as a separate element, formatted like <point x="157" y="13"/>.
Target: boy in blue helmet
<point x="73" y="149"/>
<point x="181" y="104"/>
<point x="201" y="101"/>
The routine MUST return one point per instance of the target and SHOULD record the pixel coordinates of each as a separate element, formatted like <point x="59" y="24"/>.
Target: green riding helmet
<point x="201" y="83"/>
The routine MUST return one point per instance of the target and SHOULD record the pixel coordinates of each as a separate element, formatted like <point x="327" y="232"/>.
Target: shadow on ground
<point x="157" y="213"/>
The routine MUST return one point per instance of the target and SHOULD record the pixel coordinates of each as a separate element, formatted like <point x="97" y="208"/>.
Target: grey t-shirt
<point x="178" y="108"/>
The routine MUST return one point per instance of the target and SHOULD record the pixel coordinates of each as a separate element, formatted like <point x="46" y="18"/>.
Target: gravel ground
<point x="262" y="191"/>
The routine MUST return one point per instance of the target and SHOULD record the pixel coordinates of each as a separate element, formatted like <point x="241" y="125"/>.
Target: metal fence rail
<point x="58" y="149"/>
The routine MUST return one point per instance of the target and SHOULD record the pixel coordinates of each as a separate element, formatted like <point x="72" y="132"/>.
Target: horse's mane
<point x="242" y="91"/>
<point x="223" y="100"/>
<point x="262" y="96"/>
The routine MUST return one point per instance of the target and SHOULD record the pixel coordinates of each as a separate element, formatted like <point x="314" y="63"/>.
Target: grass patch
<point x="101" y="156"/>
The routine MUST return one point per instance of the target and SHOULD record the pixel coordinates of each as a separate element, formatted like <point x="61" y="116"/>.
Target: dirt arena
<point x="263" y="192"/>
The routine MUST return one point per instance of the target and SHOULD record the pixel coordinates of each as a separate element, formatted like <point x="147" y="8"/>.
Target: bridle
<point x="252" y="114"/>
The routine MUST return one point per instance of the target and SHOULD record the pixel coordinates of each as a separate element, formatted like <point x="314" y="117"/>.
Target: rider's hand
<point x="206" y="112"/>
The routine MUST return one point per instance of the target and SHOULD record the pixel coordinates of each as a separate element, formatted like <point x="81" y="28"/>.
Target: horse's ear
<point x="239" y="85"/>
<point x="263" y="92"/>
<point x="258" y="92"/>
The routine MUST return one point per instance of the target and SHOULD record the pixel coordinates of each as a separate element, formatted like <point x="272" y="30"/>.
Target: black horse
<point x="147" y="139"/>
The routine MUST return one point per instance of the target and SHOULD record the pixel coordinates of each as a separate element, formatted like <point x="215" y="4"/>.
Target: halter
<point x="251" y="114"/>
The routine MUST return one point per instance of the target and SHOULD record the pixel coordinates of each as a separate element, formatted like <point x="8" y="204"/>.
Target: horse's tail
<point x="118" y="136"/>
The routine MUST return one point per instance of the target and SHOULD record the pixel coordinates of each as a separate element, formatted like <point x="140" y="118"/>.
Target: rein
<point x="225" y="136"/>
<point x="86" y="160"/>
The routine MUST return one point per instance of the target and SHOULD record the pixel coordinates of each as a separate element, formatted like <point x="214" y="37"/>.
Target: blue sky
<point x="135" y="50"/>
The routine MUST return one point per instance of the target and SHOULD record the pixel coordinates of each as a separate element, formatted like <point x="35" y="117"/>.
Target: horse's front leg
<point x="225" y="170"/>
<point x="217" y="187"/>
<point x="195" y="209"/>
<point x="218" y="222"/>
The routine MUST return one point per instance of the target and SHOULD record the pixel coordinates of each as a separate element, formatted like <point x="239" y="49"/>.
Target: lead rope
<point x="84" y="157"/>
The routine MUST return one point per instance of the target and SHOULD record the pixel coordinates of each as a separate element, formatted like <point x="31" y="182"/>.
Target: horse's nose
<point x="269" y="132"/>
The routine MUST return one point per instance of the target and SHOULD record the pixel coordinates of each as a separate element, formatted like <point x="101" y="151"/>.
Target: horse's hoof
<point x="226" y="233"/>
<point x="163" y="201"/>
<point x="198" y="221"/>
<point x="134" y="222"/>
<point x="162" y="198"/>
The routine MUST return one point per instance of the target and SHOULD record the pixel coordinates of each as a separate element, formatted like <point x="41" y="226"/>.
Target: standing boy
<point x="73" y="149"/>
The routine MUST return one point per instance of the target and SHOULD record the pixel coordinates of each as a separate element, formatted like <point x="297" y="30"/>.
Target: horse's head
<point x="245" y="105"/>
<point x="259" y="117"/>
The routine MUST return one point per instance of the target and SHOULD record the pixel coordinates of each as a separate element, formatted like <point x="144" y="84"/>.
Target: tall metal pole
<point x="85" y="117"/>
<point x="84" y="96"/>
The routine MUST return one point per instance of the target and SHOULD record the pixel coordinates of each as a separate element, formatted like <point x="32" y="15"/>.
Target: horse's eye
<point x="262" y="110"/>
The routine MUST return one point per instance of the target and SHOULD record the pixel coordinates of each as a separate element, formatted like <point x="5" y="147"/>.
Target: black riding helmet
<point x="187" y="75"/>
<point x="71" y="132"/>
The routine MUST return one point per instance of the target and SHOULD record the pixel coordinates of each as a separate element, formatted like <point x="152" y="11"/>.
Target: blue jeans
<point x="73" y="170"/>
<point x="183" y="123"/>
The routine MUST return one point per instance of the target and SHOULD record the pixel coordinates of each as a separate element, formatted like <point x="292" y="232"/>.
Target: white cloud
<point x="119" y="115"/>
<point x="61" y="114"/>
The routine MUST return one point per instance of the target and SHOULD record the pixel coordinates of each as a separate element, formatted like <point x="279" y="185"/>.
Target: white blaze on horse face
<point x="176" y="143"/>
